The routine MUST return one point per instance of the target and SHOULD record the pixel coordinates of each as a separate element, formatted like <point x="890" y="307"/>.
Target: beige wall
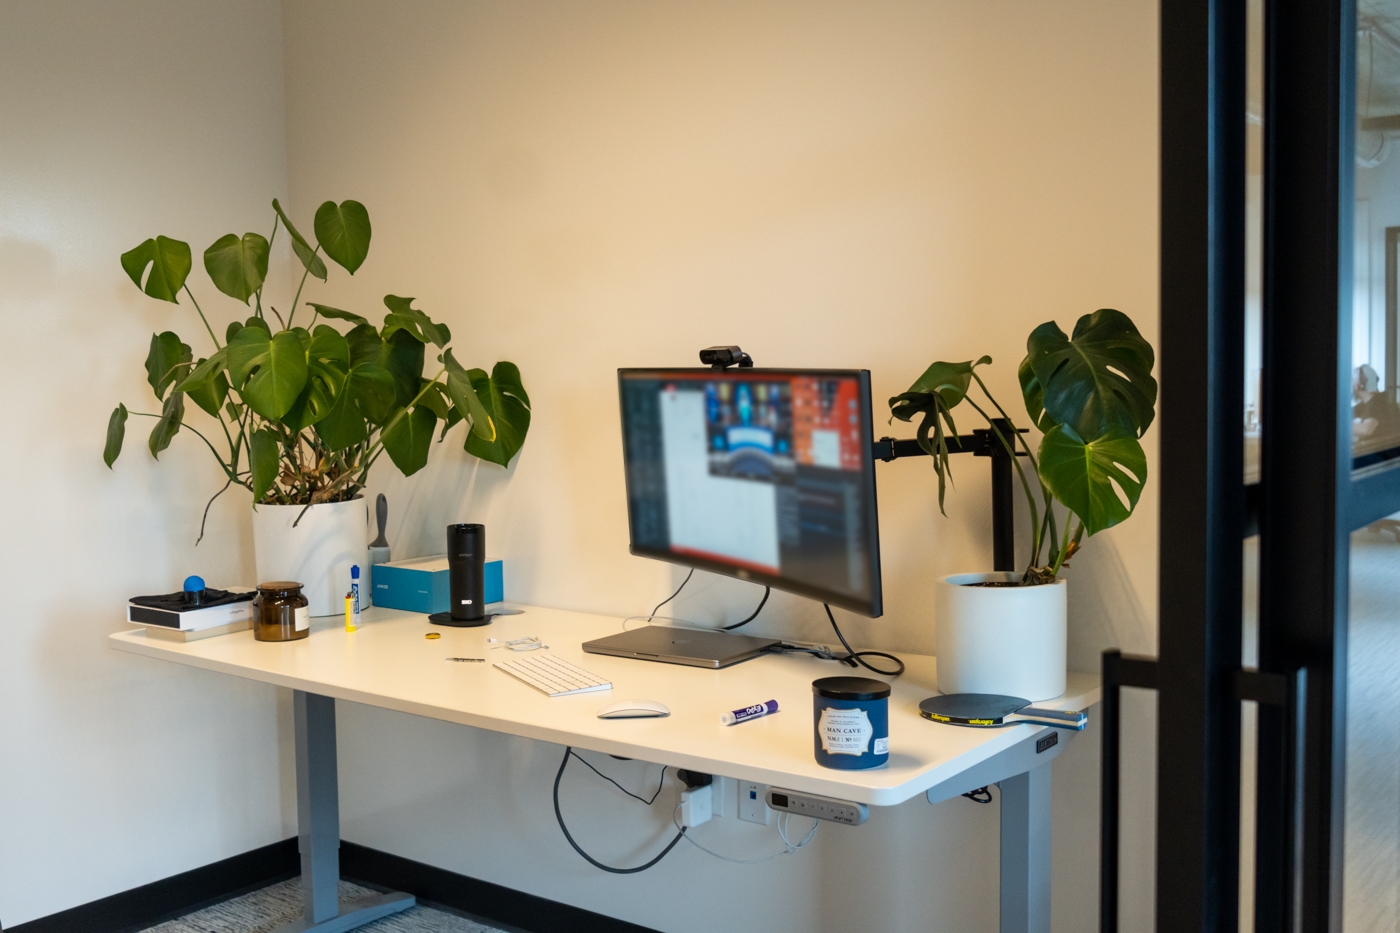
<point x="575" y="187"/>
<point x="582" y="186"/>
<point x="120" y="121"/>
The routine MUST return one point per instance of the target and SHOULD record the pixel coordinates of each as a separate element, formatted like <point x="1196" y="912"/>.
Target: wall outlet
<point x="753" y="803"/>
<point x="696" y="805"/>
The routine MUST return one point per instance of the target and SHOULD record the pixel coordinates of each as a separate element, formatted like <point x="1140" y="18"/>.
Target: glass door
<point x="1280" y="298"/>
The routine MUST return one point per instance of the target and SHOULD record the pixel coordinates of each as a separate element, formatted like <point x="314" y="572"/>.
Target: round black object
<point x="445" y="618"/>
<point x="850" y="688"/>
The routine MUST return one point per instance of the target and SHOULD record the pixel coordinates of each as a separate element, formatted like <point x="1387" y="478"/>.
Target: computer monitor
<point x="762" y="474"/>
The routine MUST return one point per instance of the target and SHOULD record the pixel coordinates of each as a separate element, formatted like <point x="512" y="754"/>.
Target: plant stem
<point x="217" y="346"/>
<point x="1064" y="549"/>
<point x="227" y="471"/>
<point x="293" y="312"/>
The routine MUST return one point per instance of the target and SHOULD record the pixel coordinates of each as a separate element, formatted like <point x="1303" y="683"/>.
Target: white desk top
<point x="389" y="663"/>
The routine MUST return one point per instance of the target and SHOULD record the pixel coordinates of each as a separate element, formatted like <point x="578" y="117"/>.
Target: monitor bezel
<point x="872" y="609"/>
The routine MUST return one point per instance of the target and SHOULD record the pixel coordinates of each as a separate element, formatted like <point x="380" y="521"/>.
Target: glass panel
<point x="1253" y="220"/>
<point x="1375" y="374"/>
<point x="1371" y="866"/>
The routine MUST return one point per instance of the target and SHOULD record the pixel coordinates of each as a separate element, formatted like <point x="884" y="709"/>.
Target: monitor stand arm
<point x="980" y="443"/>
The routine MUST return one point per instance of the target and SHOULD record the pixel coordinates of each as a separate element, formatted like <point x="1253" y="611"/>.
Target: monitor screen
<point x="762" y="474"/>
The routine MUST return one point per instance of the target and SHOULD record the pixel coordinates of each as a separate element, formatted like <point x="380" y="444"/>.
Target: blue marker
<point x="355" y="590"/>
<point x="749" y="712"/>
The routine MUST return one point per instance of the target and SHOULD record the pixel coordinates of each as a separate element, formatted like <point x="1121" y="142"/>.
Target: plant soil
<point x="1001" y="583"/>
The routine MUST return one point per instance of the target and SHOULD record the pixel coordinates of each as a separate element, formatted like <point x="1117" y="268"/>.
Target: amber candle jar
<point x="280" y="612"/>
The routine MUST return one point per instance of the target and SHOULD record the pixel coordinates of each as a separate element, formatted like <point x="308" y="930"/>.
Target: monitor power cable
<point x="854" y="657"/>
<point x="669" y="598"/>
<point x="761" y="602"/>
<point x="558" y="814"/>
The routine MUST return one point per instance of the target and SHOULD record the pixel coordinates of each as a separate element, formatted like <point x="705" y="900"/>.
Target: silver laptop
<point x="695" y="647"/>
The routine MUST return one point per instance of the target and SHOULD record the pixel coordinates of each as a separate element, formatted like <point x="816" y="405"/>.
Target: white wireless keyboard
<point x="553" y="676"/>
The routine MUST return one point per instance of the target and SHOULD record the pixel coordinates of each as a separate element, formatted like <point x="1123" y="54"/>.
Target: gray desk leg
<point x="318" y="827"/>
<point x="1025" y="852"/>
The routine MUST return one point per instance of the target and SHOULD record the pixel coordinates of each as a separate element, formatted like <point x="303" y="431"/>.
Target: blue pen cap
<point x="355" y="572"/>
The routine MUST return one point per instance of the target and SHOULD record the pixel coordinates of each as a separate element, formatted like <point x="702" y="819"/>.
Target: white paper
<point x="845" y="731"/>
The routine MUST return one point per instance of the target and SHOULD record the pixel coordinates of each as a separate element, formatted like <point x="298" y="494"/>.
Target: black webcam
<point x="724" y="357"/>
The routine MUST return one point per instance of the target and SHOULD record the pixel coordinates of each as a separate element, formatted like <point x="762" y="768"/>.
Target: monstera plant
<point x="298" y="415"/>
<point x="1091" y="395"/>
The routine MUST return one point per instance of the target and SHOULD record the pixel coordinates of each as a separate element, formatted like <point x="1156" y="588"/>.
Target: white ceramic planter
<point x="1000" y="639"/>
<point x="317" y="553"/>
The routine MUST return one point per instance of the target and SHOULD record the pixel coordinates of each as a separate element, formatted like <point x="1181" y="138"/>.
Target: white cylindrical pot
<point x="318" y="553"/>
<point x="1000" y="639"/>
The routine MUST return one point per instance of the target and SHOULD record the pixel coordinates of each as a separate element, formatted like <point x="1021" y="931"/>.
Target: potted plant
<point x="298" y="415"/>
<point x="1092" y="396"/>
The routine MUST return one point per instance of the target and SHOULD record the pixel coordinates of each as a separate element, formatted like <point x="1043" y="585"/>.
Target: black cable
<point x="854" y="657"/>
<point x="980" y="795"/>
<point x="558" y="815"/>
<point x="600" y="774"/>
<point x="669" y="598"/>
<point x="730" y="628"/>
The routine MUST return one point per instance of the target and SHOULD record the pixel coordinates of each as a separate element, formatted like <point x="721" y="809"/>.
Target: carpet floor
<point x="268" y="908"/>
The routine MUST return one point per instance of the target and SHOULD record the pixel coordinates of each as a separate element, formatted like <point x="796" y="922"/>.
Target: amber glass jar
<point x="280" y="612"/>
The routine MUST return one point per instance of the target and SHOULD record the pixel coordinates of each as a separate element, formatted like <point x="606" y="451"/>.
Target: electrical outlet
<point x="753" y="803"/>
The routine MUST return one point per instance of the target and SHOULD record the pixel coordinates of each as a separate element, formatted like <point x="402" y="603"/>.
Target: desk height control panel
<point x="821" y="808"/>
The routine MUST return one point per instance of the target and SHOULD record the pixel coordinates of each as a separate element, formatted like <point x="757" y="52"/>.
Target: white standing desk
<point x="388" y="663"/>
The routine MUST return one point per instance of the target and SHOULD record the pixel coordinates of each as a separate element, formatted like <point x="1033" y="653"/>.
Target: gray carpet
<point x="268" y="908"/>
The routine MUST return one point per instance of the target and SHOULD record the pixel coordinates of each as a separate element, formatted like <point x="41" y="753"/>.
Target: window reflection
<point x="1375" y="370"/>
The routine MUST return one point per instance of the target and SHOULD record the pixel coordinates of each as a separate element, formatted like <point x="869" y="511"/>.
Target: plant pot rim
<point x="272" y="505"/>
<point x="993" y="576"/>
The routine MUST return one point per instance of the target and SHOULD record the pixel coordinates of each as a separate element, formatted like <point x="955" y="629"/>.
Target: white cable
<point x="782" y="831"/>
<point x="788" y="848"/>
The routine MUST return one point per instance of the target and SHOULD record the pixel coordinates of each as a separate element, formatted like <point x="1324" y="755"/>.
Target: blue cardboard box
<point x="420" y="584"/>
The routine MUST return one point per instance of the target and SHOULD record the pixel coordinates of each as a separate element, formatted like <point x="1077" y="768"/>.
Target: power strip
<point x="821" y="808"/>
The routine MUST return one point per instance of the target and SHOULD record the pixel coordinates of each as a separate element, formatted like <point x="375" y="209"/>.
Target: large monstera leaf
<point x="1082" y="474"/>
<point x="933" y="395"/>
<point x="275" y="370"/>
<point x="165" y="362"/>
<point x="237" y="265"/>
<point x="170" y="266"/>
<point x="409" y="438"/>
<point x="503" y="396"/>
<point x="343" y="231"/>
<point x="1099" y="378"/>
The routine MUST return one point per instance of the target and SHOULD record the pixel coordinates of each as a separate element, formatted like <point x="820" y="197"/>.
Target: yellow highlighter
<point x="350" y="612"/>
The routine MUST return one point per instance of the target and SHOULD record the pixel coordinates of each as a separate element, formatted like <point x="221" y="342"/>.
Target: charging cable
<point x="519" y="644"/>
<point x="559" y="815"/>
<point x="788" y="847"/>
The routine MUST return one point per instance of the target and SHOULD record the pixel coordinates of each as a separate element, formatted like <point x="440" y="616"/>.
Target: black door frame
<point x="1311" y="495"/>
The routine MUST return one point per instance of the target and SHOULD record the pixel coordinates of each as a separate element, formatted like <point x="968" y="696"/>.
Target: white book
<point x="194" y="620"/>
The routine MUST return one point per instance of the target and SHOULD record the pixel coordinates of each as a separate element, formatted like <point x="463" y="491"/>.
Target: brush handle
<point x="381" y="515"/>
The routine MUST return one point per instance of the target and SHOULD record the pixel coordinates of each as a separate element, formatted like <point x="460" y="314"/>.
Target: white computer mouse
<point x="633" y="709"/>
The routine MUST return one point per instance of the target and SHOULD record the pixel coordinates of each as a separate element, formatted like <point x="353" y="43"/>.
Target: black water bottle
<point x="466" y="572"/>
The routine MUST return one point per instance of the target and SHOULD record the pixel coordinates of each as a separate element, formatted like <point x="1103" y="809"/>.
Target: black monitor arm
<point x="980" y="443"/>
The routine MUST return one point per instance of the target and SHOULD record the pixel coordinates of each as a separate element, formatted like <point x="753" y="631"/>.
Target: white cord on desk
<point x="788" y="847"/>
